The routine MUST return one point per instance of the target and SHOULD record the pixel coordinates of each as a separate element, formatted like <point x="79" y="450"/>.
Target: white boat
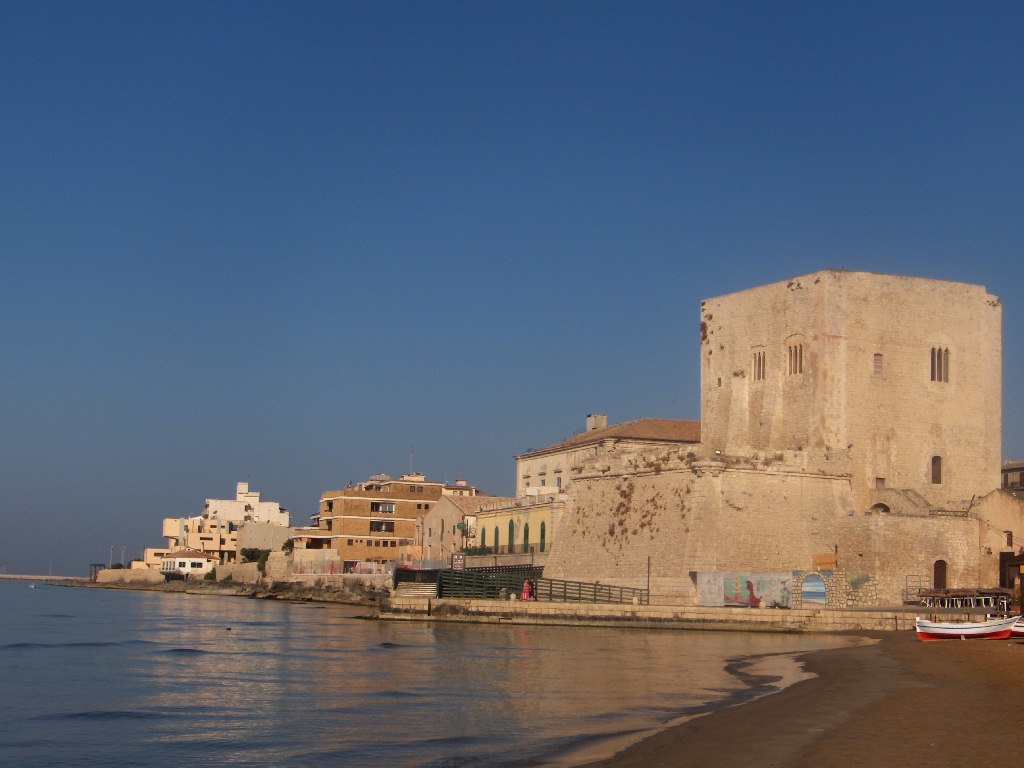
<point x="993" y="629"/>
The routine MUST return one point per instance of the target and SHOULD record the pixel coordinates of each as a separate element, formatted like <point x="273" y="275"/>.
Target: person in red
<point x="527" y="591"/>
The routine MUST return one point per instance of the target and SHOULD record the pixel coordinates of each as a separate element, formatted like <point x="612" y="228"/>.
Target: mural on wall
<point x="753" y="590"/>
<point x="812" y="592"/>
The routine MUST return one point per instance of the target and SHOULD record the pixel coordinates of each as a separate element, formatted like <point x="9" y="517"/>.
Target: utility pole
<point x="122" y="553"/>
<point x="110" y="560"/>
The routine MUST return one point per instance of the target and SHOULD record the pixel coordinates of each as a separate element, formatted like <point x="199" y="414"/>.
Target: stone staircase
<point x="416" y="589"/>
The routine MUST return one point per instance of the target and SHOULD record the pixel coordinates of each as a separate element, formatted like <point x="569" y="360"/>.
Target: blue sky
<point x="299" y="243"/>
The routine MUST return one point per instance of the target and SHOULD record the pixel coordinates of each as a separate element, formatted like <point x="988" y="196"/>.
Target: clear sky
<point x="299" y="243"/>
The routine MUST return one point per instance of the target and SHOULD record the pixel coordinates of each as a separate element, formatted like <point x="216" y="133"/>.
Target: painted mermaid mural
<point x="751" y="590"/>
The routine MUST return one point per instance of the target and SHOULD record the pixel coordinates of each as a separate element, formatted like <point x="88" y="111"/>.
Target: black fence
<point x="501" y="585"/>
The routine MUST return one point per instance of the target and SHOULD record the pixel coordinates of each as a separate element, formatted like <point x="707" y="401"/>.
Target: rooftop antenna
<point x="412" y="454"/>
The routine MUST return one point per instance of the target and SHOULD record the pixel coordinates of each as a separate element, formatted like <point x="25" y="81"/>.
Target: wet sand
<point x="895" y="702"/>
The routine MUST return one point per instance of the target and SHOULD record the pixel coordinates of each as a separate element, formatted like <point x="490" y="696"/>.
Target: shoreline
<point x="897" y="701"/>
<point x="763" y="675"/>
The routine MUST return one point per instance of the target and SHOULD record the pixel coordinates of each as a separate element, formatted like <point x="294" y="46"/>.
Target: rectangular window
<point x="382" y="506"/>
<point x="876" y="368"/>
<point x="879" y="483"/>
<point x="181" y="563"/>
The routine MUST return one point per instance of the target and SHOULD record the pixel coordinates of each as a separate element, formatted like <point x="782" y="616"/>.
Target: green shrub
<point x="253" y="555"/>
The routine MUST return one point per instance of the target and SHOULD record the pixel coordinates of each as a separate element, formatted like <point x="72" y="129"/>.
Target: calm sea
<point x="95" y="677"/>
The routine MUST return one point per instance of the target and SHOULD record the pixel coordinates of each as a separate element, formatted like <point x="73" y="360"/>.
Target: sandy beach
<point x="895" y="702"/>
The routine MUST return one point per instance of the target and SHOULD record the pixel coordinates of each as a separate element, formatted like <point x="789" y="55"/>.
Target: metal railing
<point x="501" y="586"/>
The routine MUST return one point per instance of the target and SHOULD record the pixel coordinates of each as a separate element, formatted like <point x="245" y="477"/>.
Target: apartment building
<point x="373" y="520"/>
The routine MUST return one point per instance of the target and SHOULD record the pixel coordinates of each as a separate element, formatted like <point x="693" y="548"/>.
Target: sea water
<point x="94" y="677"/>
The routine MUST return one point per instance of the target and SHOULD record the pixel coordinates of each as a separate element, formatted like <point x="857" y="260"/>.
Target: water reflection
<point x="216" y="681"/>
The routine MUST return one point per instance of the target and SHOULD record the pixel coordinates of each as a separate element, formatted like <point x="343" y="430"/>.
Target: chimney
<point x="596" y="421"/>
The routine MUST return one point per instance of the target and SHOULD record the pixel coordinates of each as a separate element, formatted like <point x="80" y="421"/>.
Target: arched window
<point x="511" y="536"/>
<point x="936" y="470"/>
<point x="939" y="575"/>
<point x="542" y="531"/>
<point x="526" y="537"/>
<point x="483" y="537"/>
<point x="497" y="542"/>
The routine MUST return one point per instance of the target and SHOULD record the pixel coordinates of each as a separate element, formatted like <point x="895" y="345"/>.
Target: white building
<point x="215" y="531"/>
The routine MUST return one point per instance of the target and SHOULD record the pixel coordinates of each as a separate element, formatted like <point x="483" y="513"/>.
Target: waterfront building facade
<point x="215" y="531"/>
<point x="548" y="470"/>
<point x="187" y="564"/>
<point x="375" y="521"/>
<point x="850" y="423"/>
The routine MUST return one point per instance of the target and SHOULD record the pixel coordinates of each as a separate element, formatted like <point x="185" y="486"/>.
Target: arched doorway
<point x="511" y="536"/>
<point x="526" y="537"/>
<point x="939" y="575"/>
<point x="542" y="532"/>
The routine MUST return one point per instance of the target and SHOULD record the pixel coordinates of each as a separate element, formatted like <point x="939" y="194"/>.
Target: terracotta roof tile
<point x="660" y="430"/>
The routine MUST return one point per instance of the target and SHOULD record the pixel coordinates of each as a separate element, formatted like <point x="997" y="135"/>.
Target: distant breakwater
<point x="348" y="593"/>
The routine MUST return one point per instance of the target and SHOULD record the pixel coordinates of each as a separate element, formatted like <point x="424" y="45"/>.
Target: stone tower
<point x="893" y="381"/>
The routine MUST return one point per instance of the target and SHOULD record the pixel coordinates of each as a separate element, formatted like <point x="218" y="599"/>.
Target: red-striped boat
<point x="994" y="629"/>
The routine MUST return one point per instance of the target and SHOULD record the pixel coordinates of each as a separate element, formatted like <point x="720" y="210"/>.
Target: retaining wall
<point x="669" y="617"/>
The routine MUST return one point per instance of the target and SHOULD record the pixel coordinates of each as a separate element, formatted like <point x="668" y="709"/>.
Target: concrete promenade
<point x="652" y="616"/>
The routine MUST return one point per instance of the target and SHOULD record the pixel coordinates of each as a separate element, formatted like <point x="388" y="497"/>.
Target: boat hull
<point x="997" y="629"/>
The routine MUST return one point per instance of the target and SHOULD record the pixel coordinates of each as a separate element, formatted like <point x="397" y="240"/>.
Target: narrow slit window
<point x="940" y="364"/>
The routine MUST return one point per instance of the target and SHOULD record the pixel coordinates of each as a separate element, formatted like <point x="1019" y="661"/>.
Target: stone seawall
<point x="649" y="616"/>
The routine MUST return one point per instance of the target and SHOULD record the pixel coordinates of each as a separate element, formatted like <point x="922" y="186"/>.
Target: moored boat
<point x="994" y="629"/>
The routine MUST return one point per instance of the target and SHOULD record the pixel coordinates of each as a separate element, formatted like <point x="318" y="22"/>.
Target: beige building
<point x="850" y="426"/>
<point x="216" y="530"/>
<point x="376" y="521"/>
<point x="450" y="527"/>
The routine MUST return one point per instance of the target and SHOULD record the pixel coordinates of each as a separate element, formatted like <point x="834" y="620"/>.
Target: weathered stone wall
<point x="679" y="513"/>
<point x="244" y="573"/>
<point x="690" y="515"/>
